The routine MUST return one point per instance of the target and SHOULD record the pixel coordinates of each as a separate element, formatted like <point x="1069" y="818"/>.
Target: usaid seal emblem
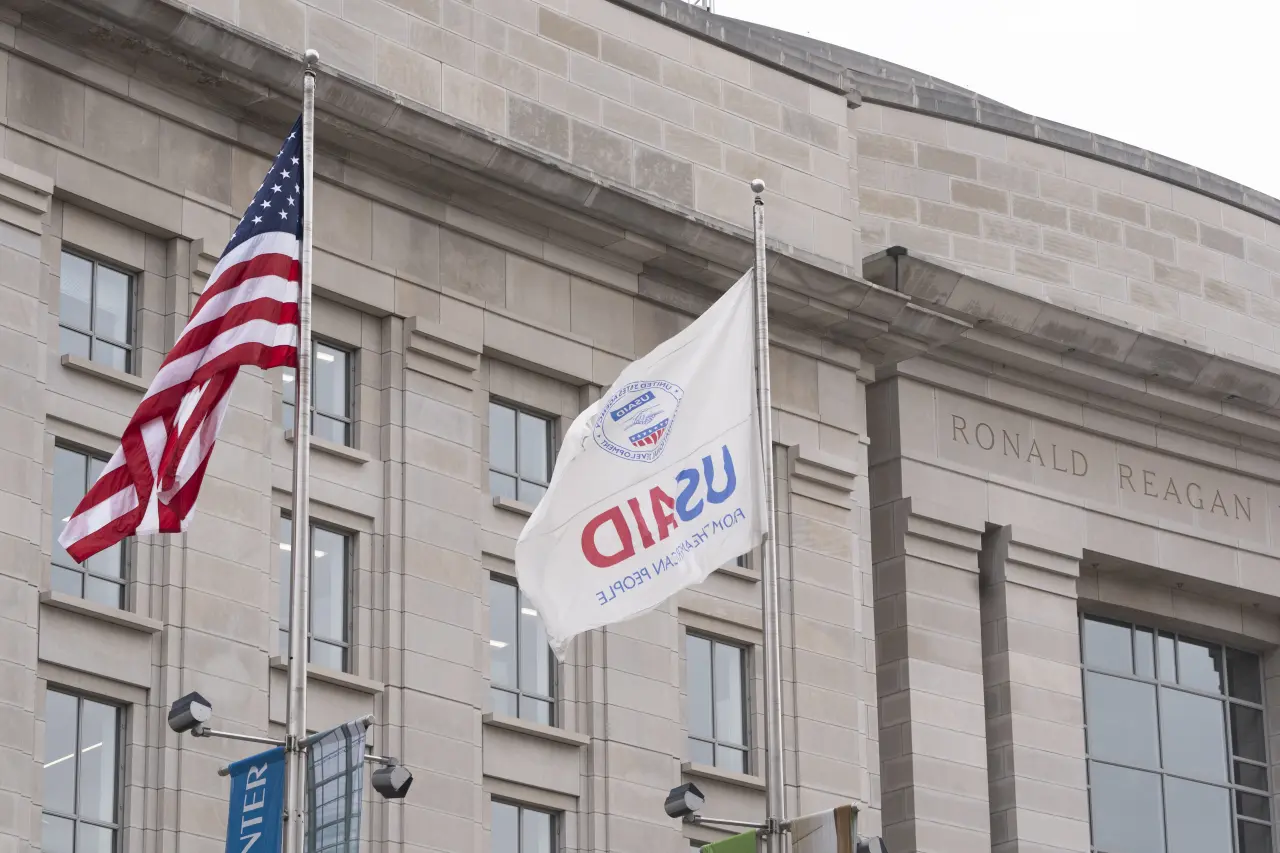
<point x="636" y="421"/>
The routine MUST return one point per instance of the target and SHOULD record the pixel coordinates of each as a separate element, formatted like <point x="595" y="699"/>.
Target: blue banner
<point x="257" y="803"/>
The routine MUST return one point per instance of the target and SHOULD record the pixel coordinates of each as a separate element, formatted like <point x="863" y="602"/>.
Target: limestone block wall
<point x="595" y="84"/>
<point x="1070" y="229"/>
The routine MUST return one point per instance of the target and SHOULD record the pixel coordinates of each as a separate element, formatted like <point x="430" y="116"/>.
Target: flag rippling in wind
<point x="246" y="316"/>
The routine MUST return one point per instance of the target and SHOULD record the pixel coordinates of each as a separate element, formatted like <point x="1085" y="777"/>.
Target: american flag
<point x="247" y="315"/>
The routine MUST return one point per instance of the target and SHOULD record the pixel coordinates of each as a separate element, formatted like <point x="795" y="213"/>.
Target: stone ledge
<point x="438" y="341"/>
<point x="475" y="169"/>
<point x="341" y="451"/>
<point x="110" y="374"/>
<point x="728" y="777"/>
<point x="333" y="676"/>
<point x="100" y="612"/>
<point x="538" y="730"/>
<point x="513" y="506"/>
<point x="1079" y="347"/>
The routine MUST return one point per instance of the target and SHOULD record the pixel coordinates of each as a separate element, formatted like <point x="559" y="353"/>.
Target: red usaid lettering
<point x="660" y="518"/>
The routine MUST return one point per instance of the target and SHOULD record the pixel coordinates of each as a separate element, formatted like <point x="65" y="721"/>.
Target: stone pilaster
<point x="1035" y="709"/>
<point x="24" y="206"/>
<point x="929" y="656"/>
<point x="433" y="697"/>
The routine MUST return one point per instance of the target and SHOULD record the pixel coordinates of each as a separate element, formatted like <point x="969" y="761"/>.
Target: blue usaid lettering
<point x="635" y="423"/>
<point x="638" y="528"/>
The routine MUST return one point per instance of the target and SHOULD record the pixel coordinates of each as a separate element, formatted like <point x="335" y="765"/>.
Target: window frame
<point x="518" y="410"/>
<point x="745" y="651"/>
<point x="348" y="577"/>
<point x="556" y="818"/>
<point x="118" y="777"/>
<point x="553" y="701"/>
<point x="1160" y="684"/>
<point x="348" y="419"/>
<point x="129" y="346"/>
<point x="125" y="561"/>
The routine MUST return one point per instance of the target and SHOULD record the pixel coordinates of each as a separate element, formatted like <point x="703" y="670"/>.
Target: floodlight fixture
<point x="684" y="800"/>
<point x="189" y="712"/>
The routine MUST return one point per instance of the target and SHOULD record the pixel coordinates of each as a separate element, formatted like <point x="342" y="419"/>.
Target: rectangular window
<point x="95" y="314"/>
<point x="521" y="665"/>
<point x="1176" y="742"/>
<point x="331" y="381"/>
<point x="517" y="829"/>
<point x="81" y="775"/>
<point x="101" y="578"/>
<point x="330" y="582"/>
<point x="520" y="454"/>
<point x="716" y="673"/>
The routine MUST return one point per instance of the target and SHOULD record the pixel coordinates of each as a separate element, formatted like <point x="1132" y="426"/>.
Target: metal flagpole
<point x="296" y="715"/>
<point x="775" y="774"/>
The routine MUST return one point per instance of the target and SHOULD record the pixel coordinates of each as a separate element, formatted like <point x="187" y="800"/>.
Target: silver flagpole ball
<point x="312" y="56"/>
<point x="757" y="186"/>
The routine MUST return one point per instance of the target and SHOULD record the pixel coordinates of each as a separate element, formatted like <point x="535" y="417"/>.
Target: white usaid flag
<point x="657" y="485"/>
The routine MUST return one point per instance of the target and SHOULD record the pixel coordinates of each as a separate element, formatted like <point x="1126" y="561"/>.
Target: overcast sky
<point x="1195" y="81"/>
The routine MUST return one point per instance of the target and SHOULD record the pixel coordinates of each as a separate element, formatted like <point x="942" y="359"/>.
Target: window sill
<point x="551" y="733"/>
<point x="734" y="570"/>
<point x="110" y="374"/>
<point x="703" y="771"/>
<point x="102" y="613"/>
<point x="333" y="676"/>
<point x="518" y="507"/>
<point x="339" y="450"/>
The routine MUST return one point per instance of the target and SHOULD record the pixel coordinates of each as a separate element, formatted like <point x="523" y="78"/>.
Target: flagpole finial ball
<point x="757" y="186"/>
<point x="311" y="57"/>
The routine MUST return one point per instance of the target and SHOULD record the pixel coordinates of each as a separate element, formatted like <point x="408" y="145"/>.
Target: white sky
<point x="1196" y="81"/>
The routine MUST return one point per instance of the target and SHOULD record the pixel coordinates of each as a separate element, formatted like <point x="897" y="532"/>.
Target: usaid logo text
<point x="638" y="526"/>
<point x="636" y="421"/>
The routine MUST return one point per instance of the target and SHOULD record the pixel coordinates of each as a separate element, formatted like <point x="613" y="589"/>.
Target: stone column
<point x="929" y="658"/>
<point x="24" y="206"/>
<point x="1035" y="709"/>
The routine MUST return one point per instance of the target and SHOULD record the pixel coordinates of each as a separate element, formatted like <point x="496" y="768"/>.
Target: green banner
<point x="744" y="843"/>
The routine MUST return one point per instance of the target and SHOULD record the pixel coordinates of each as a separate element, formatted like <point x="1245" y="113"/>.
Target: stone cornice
<point x="894" y="85"/>
<point x="236" y="72"/>
<point x="1089" y="351"/>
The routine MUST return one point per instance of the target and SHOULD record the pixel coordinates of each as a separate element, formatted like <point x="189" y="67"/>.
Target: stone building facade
<point x="1025" y="390"/>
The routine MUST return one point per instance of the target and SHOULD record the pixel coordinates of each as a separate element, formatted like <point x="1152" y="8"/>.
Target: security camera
<point x="189" y="712"/>
<point x="392" y="781"/>
<point x="872" y="844"/>
<point x="684" y="801"/>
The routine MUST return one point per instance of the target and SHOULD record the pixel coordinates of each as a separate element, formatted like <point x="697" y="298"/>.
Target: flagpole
<point x="775" y="773"/>
<point x="296" y="715"/>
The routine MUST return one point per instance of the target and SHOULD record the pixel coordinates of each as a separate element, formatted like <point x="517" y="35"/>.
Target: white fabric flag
<point x="657" y="484"/>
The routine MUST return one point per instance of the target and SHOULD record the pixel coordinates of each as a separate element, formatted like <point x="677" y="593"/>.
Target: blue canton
<point x="277" y="205"/>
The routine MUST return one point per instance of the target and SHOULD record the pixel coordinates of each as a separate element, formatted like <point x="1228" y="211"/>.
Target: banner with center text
<point x="657" y="484"/>
<point x="256" y="810"/>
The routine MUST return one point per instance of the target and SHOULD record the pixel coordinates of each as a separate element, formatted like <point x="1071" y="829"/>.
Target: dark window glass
<point x="717" y="710"/>
<point x="81" y="774"/>
<point x="332" y="380"/>
<point x="520" y="454"/>
<point x="1125" y="807"/>
<point x="101" y="578"/>
<point x="1197" y="816"/>
<point x="330" y="590"/>
<point x="517" y="829"/>
<point x="1121" y="717"/>
<point x="1244" y="676"/>
<point x="1176" y="743"/>
<point x="1108" y="645"/>
<point x="521" y="667"/>
<point x="95" y="312"/>
<point x="1193" y="735"/>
